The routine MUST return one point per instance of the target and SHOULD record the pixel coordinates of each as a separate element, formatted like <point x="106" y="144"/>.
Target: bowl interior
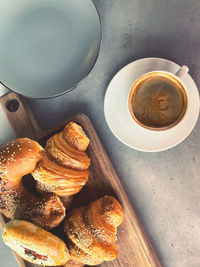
<point x="47" y="47"/>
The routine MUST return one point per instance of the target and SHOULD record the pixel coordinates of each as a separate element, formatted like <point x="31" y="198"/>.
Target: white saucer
<point x="124" y="127"/>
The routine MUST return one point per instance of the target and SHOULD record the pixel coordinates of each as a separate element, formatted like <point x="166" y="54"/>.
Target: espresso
<point x="158" y="101"/>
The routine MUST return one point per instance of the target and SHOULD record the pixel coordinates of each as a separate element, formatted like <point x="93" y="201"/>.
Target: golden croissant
<point x="63" y="169"/>
<point x="91" y="231"/>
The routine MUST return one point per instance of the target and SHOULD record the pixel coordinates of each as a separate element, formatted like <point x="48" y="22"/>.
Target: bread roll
<point x="18" y="158"/>
<point x="35" y="244"/>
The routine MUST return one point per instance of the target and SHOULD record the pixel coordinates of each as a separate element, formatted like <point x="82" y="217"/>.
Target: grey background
<point x="163" y="187"/>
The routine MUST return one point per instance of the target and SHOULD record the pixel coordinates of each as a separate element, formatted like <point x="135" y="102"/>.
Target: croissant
<point x="63" y="169"/>
<point x="18" y="158"/>
<point x="91" y="231"/>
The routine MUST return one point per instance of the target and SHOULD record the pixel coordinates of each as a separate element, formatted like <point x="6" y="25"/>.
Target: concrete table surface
<point x="164" y="187"/>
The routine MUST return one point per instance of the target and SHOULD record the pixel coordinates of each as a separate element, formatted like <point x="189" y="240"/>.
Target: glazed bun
<point x="35" y="244"/>
<point x="19" y="157"/>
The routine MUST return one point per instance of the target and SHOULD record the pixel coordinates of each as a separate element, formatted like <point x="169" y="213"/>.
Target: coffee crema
<point x="157" y="101"/>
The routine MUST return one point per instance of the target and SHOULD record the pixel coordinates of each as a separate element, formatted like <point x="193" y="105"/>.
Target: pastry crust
<point x="65" y="154"/>
<point x="35" y="244"/>
<point x="75" y="136"/>
<point x="92" y="231"/>
<point x="79" y="255"/>
<point x="46" y="211"/>
<point x="72" y="263"/>
<point x="60" y="191"/>
<point x="63" y="168"/>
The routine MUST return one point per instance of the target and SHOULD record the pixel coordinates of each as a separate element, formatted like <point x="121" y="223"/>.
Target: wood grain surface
<point x="134" y="248"/>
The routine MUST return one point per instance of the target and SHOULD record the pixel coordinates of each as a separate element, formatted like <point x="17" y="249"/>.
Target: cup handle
<point x="182" y="71"/>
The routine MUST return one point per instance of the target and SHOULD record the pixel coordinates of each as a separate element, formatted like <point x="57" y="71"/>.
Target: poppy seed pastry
<point x="34" y="244"/>
<point x="18" y="158"/>
<point x="92" y="230"/>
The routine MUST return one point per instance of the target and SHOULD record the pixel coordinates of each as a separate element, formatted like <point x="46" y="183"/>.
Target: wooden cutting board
<point x="134" y="248"/>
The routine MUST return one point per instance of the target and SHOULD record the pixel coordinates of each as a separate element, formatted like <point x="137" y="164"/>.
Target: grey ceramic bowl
<point x="47" y="47"/>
